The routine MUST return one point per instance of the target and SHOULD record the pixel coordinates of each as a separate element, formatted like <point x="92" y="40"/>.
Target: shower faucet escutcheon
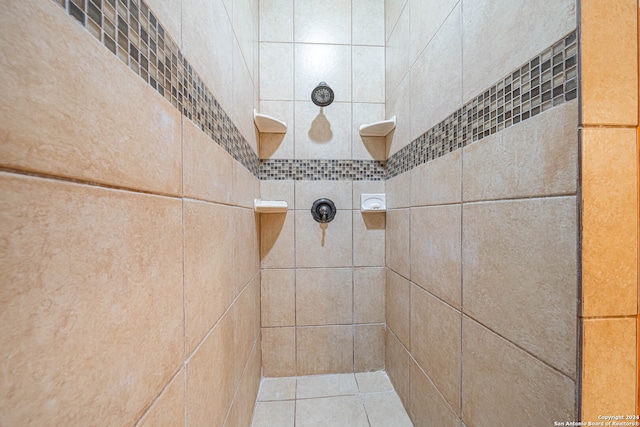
<point x="323" y="210"/>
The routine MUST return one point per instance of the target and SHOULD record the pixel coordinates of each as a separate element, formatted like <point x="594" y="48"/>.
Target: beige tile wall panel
<point x="246" y="187"/>
<point x="368" y="73"/>
<point x="426" y="406"/>
<point x="207" y="169"/>
<point x="168" y="408"/>
<point x="71" y="108"/>
<point x="276" y="72"/>
<point x="609" y="372"/>
<point x="435" y="342"/>
<point x="277" y="243"/>
<point x="330" y="63"/>
<point x="397" y="365"/>
<point x="369" y="230"/>
<point x="242" y="408"/>
<point x="278" y="352"/>
<point x="367" y="22"/>
<point x="322" y="22"/>
<point x="436" y="251"/>
<point x="324" y="349"/>
<point x="538" y="157"/>
<point x="169" y="13"/>
<point x="276" y="21"/>
<point x="324" y="296"/>
<point x="369" y="286"/>
<point x="398" y="241"/>
<point x="244" y="96"/>
<point x="322" y="133"/>
<point x="210" y="376"/>
<point x="397" y="64"/>
<point x="80" y="266"/>
<point x="368" y="348"/>
<point x="278" y="297"/>
<point x="209" y="240"/>
<point x="501" y="35"/>
<point x="610" y="222"/>
<point x="392" y="11"/>
<point x="519" y="272"/>
<point x="398" y="191"/>
<point x="246" y="318"/>
<point x="436" y="90"/>
<point x="398" y="306"/>
<point x="340" y="192"/>
<point x="438" y="181"/>
<point x="278" y="190"/>
<point x="324" y="245"/>
<point x="501" y="383"/>
<point x="427" y="16"/>
<point x="398" y="103"/>
<point x="246" y="229"/>
<point x="609" y="34"/>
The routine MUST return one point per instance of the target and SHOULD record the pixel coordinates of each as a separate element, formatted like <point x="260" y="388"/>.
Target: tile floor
<point x="340" y="400"/>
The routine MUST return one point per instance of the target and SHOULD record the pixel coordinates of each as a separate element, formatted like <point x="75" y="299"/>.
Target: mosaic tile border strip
<point x="327" y="170"/>
<point x="131" y="31"/>
<point x="547" y="80"/>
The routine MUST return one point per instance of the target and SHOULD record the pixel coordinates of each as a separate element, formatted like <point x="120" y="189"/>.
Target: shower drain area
<point x="336" y="400"/>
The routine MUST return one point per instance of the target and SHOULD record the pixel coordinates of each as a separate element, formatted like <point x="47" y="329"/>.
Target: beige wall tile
<point x="426" y="404"/>
<point x="368" y="347"/>
<point x="609" y="367"/>
<point x="80" y="266"/>
<point x="367" y="147"/>
<point x="322" y="133"/>
<point x="538" y="157"/>
<point x="245" y="230"/>
<point x="397" y="241"/>
<point x="168" y="409"/>
<point x="500" y="35"/>
<point x="385" y="409"/>
<point x="276" y="21"/>
<point x="99" y="139"/>
<point x="398" y="306"/>
<point x="519" y="273"/>
<point x="323" y="245"/>
<point x="369" y="295"/>
<point x="610" y="222"/>
<point x="246" y="186"/>
<point x="502" y="383"/>
<point x="367" y="22"/>
<point x="278" y="352"/>
<point x="438" y="181"/>
<point x="278" y="297"/>
<point x="277" y="248"/>
<point x="315" y="63"/>
<point x="369" y="238"/>
<point x="244" y="92"/>
<point x="340" y="192"/>
<point x="436" y="91"/>
<point x="208" y="168"/>
<point x="398" y="103"/>
<point x="243" y="406"/>
<point x="246" y="327"/>
<point x="392" y="11"/>
<point x="397" y="365"/>
<point x="609" y="33"/>
<point x="426" y="18"/>
<point x="399" y="191"/>
<point x="433" y="321"/>
<point x="324" y="349"/>
<point x="326" y="22"/>
<point x="278" y="190"/>
<point x="169" y="14"/>
<point x="368" y="73"/>
<point x="276" y="71"/>
<point x="324" y="296"/>
<point x="278" y="145"/>
<point x="208" y="267"/>
<point x="397" y="55"/>
<point x="210" y="376"/>
<point x="435" y="251"/>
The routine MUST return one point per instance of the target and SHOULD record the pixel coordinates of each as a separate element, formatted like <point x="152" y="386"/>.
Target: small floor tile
<point x="271" y="414"/>
<point x="277" y="389"/>
<point x="373" y="382"/>
<point x="331" y="412"/>
<point x="386" y="410"/>
<point x="326" y="385"/>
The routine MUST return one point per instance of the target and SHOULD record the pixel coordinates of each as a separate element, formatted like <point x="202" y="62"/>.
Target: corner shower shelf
<point x="268" y="124"/>
<point x="269" y="206"/>
<point x="378" y="128"/>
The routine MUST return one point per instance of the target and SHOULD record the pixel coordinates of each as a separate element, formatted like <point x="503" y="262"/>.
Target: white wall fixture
<point x="269" y="206"/>
<point x="381" y="128"/>
<point x="373" y="202"/>
<point x="268" y="124"/>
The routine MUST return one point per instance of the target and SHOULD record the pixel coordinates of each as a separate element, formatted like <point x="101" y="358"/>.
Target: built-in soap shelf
<point x="373" y="202"/>
<point x="268" y="124"/>
<point x="381" y="128"/>
<point x="269" y="206"/>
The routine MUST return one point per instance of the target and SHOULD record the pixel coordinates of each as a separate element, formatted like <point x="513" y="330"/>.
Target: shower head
<point x="322" y="95"/>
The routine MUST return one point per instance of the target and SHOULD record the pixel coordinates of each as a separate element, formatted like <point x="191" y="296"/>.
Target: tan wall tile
<point x="246" y="231"/>
<point x="242" y="407"/>
<point x="610" y="222"/>
<point x="278" y="297"/>
<point x="168" y="409"/>
<point x="501" y="382"/>
<point x="324" y="245"/>
<point x="210" y="376"/>
<point x="80" y="265"/>
<point x="397" y="241"/>
<point x="324" y="296"/>
<point x="426" y="405"/>
<point x="169" y="13"/>
<point x="340" y="192"/>
<point x="324" y="349"/>
<point x="277" y="246"/>
<point x="368" y="348"/>
<point x="399" y="191"/>
<point x="398" y="306"/>
<point x="245" y="330"/>
<point x="520" y="274"/>
<point x="326" y="133"/>
<point x="209" y="240"/>
<point x="278" y="190"/>
<point x="609" y="367"/>
<point x="46" y="129"/>
<point x="397" y="365"/>
<point x="538" y="157"/>
<point x="433" y="321"/>
<point x="438" y="181"/>
<point x="246" y="187"/>
<point x="609" y="36"/>
<point x="368" y="238"/>
<point x="278" y="352"/>
<point x="435" y="251"/>
<point x="369" y="295"/>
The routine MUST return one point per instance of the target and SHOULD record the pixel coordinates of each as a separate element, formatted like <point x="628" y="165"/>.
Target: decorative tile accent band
<point x="327" y="170"/>
<point x="547" y="80"/>
<point x="131" y="31"/>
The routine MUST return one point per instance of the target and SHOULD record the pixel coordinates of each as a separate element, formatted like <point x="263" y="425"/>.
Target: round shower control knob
<point x="323" y="210"/>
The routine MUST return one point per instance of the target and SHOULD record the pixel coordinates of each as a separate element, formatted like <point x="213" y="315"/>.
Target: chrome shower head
<point x="322" y="95"/>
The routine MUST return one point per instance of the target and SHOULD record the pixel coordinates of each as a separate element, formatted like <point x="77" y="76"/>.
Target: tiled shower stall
<point x="140" y="287"/>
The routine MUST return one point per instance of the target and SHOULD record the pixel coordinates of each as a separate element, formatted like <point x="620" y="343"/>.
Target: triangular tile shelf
<point x="378" y="128"/>
<point x="268" y="124"/>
